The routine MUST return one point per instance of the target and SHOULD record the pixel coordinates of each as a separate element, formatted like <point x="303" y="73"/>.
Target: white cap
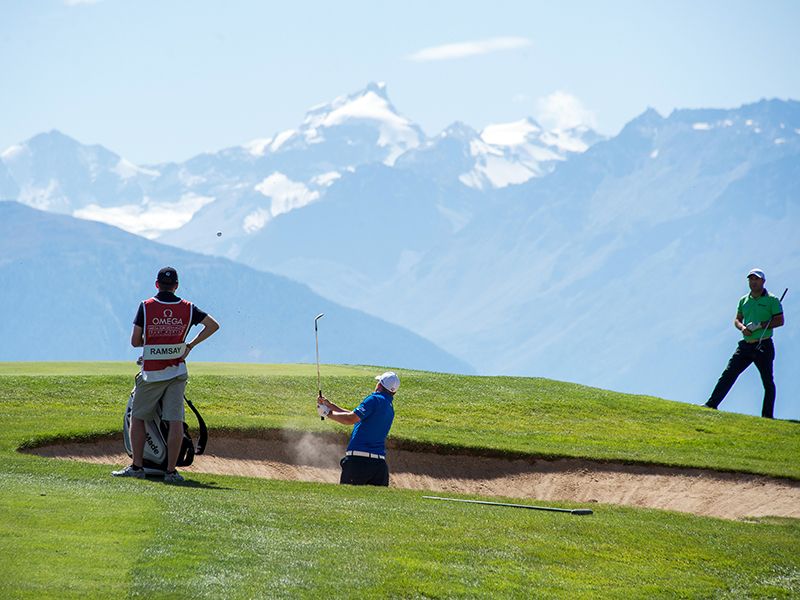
<point x="758" y="273"/>
<point x="389" y="380"/>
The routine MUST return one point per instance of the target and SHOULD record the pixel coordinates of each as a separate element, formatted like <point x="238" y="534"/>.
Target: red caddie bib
<point x="165" y="327"/>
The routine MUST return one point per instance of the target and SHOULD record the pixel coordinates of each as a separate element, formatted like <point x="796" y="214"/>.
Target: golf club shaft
<point x="574" y="511"/>
<point x="758" y="346"/>
<point x="319" y="381"/>
<point x="316" y="338"/>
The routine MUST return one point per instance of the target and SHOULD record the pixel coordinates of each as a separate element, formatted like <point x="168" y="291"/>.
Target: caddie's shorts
<point x="147" y="394"/>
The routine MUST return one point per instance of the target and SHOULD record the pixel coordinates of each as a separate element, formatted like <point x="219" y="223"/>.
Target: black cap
<point x="168" y="276"/>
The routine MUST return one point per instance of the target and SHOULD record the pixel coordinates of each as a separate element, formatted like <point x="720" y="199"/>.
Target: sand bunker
<point x="314" y="457"/>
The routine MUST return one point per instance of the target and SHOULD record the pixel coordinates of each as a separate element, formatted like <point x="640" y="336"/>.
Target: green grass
<point x="492" y="414"/>
<point x="68" y="530"/>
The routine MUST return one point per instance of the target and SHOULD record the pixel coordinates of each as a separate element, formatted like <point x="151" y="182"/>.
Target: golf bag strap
<point x="201" y="442"/>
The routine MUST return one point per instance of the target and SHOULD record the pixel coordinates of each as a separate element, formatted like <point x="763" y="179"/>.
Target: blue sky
<point x="157" y="81"/>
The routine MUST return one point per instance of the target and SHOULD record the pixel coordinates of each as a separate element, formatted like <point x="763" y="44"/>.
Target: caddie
<point x="364" y="462"/>
<point x="757" y="314"/>
<point x="160" y="328"/>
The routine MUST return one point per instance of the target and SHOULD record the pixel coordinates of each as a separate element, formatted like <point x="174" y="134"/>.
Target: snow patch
<point x="149" y="219"/>
<point x="257" y="147"/>
<point x="498" y="171"/>
<point x="256" y="220"/>
<point x="509" y="134"/>
<point x="537" y="155"/>
<point x="326" y="179"/>
<point x="313" y="136"/>
<point x="13" y="152"/>
<point x="281" y="139"/>
<point x="479" y="148"/>
<point x="43" y="198"/>
<point x="126" y="170"/>
<point x="472" y="179"/>
<point x="512" y="153"/>
<point x="564" y="141"/>
<point x="286" y="195"/>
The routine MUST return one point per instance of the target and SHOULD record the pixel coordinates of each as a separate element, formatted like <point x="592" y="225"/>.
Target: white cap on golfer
<point x="389" y="380"/>
<point x="758" y="273"/>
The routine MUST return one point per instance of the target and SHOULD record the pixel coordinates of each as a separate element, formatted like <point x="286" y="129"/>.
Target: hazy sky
<point x="165" y="80"/>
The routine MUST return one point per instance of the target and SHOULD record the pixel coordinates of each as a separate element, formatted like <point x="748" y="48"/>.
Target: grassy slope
<point x="69" y="530"/>
<point x="524" y="415"/>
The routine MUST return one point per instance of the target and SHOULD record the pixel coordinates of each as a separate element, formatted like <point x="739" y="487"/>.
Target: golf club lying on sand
<point x="573" y="511"/>
<point x="316" y="336"/>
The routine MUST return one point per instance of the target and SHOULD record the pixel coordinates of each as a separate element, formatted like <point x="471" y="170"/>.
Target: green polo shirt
<point x="762" y="308"/>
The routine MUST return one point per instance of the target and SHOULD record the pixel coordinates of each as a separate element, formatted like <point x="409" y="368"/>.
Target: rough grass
<point x="68" y="530"/>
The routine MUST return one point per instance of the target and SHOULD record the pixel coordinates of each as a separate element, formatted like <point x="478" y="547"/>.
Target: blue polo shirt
<point x="376" y="413"/>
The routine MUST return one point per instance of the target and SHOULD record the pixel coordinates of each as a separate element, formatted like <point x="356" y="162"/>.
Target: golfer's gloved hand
<point x="754" y="326"/>
<point x="322" y="410"/>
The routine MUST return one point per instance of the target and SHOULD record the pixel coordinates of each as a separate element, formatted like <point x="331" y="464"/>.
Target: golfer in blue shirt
<point x="364" y="462"/>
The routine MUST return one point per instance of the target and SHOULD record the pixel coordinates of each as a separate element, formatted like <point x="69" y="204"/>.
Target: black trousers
<point x="745" y="355"/>
<point x="362" y="470"/>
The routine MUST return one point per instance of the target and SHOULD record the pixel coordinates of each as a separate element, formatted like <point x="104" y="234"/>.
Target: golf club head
<point x="581" y="511"/>
<point x="317" y="318"/>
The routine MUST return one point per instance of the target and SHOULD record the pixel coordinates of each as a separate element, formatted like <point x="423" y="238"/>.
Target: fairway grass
<point x="68" y="530"/>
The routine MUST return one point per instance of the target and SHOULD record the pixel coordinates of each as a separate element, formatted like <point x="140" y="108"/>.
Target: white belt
<point x="365" y="454"/>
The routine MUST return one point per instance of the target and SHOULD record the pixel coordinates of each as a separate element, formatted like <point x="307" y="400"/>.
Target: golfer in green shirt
<point x="758" y="313"/>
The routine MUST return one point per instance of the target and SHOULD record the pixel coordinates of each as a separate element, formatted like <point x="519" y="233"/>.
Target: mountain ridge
<point x="74" y="285"/>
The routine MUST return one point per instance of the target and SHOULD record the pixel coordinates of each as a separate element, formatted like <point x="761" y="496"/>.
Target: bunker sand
<point x="295" y="456"/>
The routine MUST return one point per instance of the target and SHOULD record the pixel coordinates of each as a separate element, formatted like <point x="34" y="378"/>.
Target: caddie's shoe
<point x="173" y="477"/>
<point x="708" y="406"/>
<point x="130" y="471"/>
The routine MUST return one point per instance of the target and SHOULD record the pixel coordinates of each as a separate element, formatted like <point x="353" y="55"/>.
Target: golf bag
<point x="155" y="445"/>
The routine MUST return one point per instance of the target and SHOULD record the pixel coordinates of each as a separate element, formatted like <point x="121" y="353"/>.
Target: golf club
<point x="758" y="346"/>
<point x="573" y="511"/>
<point x="316" y="336"/>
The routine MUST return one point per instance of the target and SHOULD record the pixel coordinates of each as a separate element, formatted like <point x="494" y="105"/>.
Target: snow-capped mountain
<point x="501" y="155"/>
<point x="55" y="172"/>
<point x="356" y="129"/>
<point x="239" y="190"/>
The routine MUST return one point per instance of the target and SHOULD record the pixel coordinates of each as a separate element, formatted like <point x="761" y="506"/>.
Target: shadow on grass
<point x="189" y="483"/>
